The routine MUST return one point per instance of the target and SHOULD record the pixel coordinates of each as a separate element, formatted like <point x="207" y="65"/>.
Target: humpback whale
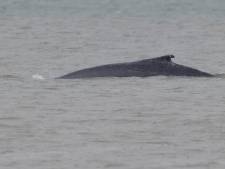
<point x="143" y="68"/>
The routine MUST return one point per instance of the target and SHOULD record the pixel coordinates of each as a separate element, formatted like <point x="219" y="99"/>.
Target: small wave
<point x="222" y="75"/>
<point x="38" y="77"/>
<point x="9" y="77"/>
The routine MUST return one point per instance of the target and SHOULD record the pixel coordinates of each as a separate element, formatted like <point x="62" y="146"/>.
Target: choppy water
<point x="127" y="123"/>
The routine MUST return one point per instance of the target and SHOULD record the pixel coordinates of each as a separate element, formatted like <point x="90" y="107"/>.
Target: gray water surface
<point x="123" y="123"/>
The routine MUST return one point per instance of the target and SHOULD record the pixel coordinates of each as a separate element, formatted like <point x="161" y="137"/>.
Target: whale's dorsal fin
<point x="166" y="58"/>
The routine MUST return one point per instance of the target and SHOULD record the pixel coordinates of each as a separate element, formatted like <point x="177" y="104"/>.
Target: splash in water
<point x="38" y="77"/>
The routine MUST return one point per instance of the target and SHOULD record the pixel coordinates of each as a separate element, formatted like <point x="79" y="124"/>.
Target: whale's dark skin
<point x="148" y="67"/>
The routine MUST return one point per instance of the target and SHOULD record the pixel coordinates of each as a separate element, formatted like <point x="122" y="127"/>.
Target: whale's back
<point x="148" y="67"/>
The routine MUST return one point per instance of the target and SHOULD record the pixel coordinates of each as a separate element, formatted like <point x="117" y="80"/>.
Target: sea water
<point x="122" y="123"/>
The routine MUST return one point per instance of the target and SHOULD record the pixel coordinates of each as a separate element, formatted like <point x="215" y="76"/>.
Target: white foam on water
<point x="38" y="77"/>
